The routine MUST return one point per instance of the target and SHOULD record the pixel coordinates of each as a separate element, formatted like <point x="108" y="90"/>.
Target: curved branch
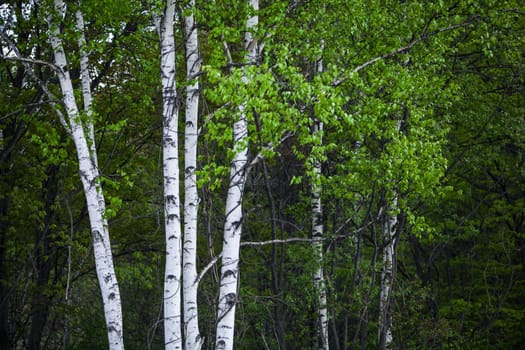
<point x="401" y="50"/>
<point x="216" y="258"/>
<point x="30" y="60"/>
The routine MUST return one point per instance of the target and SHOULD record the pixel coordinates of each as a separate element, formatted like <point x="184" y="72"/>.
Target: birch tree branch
<point x="216" y="258"/>
<point x="268" y="147"/>
<point x="401" y="50"/>
<point x="26" y="62"/>
<point x="30" y="60"/>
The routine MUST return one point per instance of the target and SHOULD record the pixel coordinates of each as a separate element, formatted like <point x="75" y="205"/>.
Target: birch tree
<point x="389" y="223"/>
<point x="317" y="244"/>
<point x="170" y="165"/>
<point x="229" y="277"/>
<point x="193" y="338"/>
<point x="89" y="174"/>
<point x="318" y="233"/>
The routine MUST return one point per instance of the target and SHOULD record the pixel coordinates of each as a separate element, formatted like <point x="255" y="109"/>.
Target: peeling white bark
<point x="193" y="338"/>
<point x="231" y="241"/>
<point x="318" y="235"/>
<point x="89" y="175"/>
<point x="317" y="245"/>
<point x="170" y="157"/>
<point x="387" y="275"/>
<point x="229" y="279"/>
<point x="86" y="85"/>
<point x="389" y="223"/>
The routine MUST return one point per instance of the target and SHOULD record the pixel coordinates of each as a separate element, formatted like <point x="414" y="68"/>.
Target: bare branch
<point x="269" y="147"/>
<point x="400" y="50"/>
<point x="208" y="267"/>
<point x="227" y="53"/>
<point x="31" y="72"/>
<point x="216" y="258"/>
<point x="30" y="60"/>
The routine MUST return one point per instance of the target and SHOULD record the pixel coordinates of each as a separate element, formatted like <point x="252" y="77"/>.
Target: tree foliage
<point x="420" y="101"/>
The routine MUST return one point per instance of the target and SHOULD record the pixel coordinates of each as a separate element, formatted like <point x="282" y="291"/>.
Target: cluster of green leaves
<point x="438" y="123"/>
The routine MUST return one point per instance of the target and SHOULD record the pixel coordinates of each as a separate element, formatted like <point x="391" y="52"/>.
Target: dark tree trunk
<point x="4" y="300"/>
<point x="43" y="252"/>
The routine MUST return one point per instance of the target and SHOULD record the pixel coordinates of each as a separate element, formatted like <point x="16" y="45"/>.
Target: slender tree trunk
<point x="43" y="263"/>
<point x="4" y="286"/>
<point x="389" y="224"/>
<point x="87" y="97"/>
<point x="193" y="338"/>
<point x="89" y="175"/>
<point x="317" y="236"/>
<point x="317" y="245"/>
<point x="170" y="153"/>
<point x="4" y="283"/>
<point x="40" y="303"/>
<point x="229" y="279"/>
<point x="274" y="268"/>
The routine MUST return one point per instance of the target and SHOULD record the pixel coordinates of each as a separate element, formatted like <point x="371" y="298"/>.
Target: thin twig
<point x="42" y="85"/>
<point x="30" y="60"/>
<point x="216" y="258"/>
<point x="400" y="50"/>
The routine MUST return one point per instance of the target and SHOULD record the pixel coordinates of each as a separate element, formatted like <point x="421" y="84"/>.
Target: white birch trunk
<point x="94" y="197"/>
<point x="170" y="154"/>
<point x="389" y="223"/>
<point x="317" y="236"/>
<point x="86" y="85"/>
<point x="229" y="279"/>
<point x="317" y="244"/>
<point x="389" y="226"/>
<point x="192" y="336"/>
<point x="387" y="275"/>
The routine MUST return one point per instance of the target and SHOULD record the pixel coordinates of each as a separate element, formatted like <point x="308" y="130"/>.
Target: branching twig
<point x="274" y="241"/>
<point x="400" y="50"/>
<point x="30" y="60"/>
<point x="269" y="147"/>
<point x="227" y="53"/>
<point x="31" y="72"/>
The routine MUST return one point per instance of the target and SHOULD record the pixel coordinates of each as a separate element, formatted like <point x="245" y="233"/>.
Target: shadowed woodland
<point x="214" y="174"/>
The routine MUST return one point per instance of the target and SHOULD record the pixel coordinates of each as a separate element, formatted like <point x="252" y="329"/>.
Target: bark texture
<point x="193" y="338"/>
<point x="317" y="236"/>
<point x="170" y="159"/>
<point x="229" y="279"/>
<point x="387" y="275"/>
<point x="90" y="177"/>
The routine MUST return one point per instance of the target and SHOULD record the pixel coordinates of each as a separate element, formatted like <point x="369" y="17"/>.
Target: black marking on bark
<point x="237" y="224"/>
<point x="228" y="273"/>
<point x="170" y="277"/>
<point x="199" y="340"/>
<point x="64" y="69"/>
<point x="318" y="220"/>
<point x="231" y="299"/>
<point x="97" y="237"/>
<point x="111" y="296"/>
<point x="107" y="278"/>
<point x="172" y="217"/>
<point x="170" y="199"/>
<point x="171" y="237"/>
